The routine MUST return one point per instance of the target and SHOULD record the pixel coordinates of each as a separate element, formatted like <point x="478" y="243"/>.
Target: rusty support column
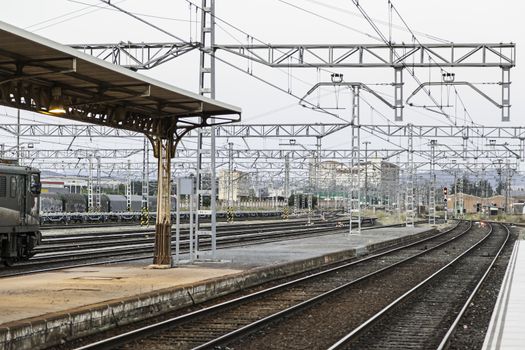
<point x="164" y="150"/>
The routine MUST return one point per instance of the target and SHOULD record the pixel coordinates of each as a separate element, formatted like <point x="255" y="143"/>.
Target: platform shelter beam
<point x="89" y="90"/>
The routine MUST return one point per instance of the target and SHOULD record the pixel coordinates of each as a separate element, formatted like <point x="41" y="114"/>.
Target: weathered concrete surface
<point x="67" y="289"/>
<point x="49" y="308"/>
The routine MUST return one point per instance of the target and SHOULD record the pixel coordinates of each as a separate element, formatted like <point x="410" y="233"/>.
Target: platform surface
<point x="44" y="293"/>
<point x="507" y="326"/>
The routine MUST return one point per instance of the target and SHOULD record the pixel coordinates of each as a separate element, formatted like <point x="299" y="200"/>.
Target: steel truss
<point x="397" y="56"/>
<point x="279" y="130"/>
<point x="223" y="131"/>
<point x="450" y="152"/>
<point x="451" y="131"/>
<point x="149" y="55"/>
<point x="135" y="55"/>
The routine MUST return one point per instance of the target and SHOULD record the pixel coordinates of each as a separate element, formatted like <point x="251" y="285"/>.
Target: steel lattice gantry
<point x="440" y="152"/>
<point x="149" y="55"/>
<point x="279" y="130"/>
<point x="396" y="56"/>
<point x="223" y="131"/>
<point x="37" y="74"/>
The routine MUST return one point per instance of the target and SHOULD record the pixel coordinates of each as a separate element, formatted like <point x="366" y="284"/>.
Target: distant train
<point x="73" y="207"/>
<point x="19" y="212"/>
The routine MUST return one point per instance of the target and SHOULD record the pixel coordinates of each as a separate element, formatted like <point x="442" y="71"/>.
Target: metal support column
<point x="164" y="151"/>
<point x="461" y="198"/>
<point x="432" y="190"/>
<point x="366" y="143"/>
<point x="309" y="204"/>
<point x="456" y="197"/>
<point x="18" y="136"/>
<point x="410" y="176"/>
<point x="98" y="194"/>
<point x="354" y="204"/>
<point x="90" y="185"/>
<point x="484" y="195"/>
<point x="287" y="177"/>
<point x="505" y="94"/>
<point x="128" y="187"/>
<point x="317" y="170"/>
<point x="230" y="182"/>
<point x="177" y="221"/>
<point x="207" y="88"/>
<point x="398" y="94"/>
<point x="508" y="176"/>
<point x="145" y="176"/>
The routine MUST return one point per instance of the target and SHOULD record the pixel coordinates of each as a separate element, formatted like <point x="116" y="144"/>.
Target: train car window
<point x="12" y="187"/>
<point x="36" y="186"/>
<point x="3" y="186"/>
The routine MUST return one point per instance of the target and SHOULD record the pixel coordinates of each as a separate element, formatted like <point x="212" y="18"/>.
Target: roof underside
<point x="96" y="91"/>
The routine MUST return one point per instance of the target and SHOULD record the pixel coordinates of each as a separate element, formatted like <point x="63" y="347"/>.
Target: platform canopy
<point x="40" y="75"/>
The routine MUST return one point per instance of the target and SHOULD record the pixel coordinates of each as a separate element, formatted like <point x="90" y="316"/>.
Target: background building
<point x="234" y="185"/>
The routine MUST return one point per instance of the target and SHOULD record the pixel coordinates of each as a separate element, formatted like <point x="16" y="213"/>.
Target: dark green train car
<point x="19" y="212"/>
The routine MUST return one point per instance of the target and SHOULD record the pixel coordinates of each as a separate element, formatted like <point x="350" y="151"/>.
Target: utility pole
<point x="90" y="185"/>
<point x="230" y="182"/>
<point x="432" y="191"/>
<point x="366" y="143"/>
<point x="286" y="177"/>
<point x="355" y="160"/>
<point x="145" y="176"/>
<point x="317" y="170"/>
<point x="98" y="190"/>
<point x="18" y="137"/>
<point x="207" y="88"/>
<point x="128" y="187"/>
<point x="410" y="210"/>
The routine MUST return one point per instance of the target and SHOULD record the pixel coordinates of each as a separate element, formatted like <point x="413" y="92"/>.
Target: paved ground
<point x="36" y="295"/>
<point x="507" y="328"/>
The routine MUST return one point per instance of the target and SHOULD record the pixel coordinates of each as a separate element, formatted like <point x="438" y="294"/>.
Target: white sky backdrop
<point x="273" y="21"/>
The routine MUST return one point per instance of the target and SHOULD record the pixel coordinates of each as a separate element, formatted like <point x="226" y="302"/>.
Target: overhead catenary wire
<point x="331" y="20"/>
<point x="312" y="106"/>
<point x="66" y="19"/>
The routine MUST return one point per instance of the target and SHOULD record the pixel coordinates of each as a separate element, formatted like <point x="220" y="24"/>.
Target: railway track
<point x="52" y="225"/>
<point x="426" y="316"/>
<point x="261" y="314"/>
<point x="74" y="250"/>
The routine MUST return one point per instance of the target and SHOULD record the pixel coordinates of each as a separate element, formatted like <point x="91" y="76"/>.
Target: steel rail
<point x="341" y="343"/>
<point x="281" y="314"/>
<point x="448" y="336"/>
<point x="143" y="332"/>
<point x="146" y="248"/>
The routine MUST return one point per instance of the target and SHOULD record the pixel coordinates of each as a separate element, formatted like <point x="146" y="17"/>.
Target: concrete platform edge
<point x="52" y="329"/>
<point x="494" y="333"/>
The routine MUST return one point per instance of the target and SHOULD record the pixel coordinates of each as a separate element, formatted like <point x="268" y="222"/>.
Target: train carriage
<point x="19" y="212"/>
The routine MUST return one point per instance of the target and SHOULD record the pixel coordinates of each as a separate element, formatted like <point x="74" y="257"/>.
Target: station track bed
<point x="53" y="225"/>
<point x="423" y="317"/>
<point x="86" y="249"/>
<point x="256" y="320"/>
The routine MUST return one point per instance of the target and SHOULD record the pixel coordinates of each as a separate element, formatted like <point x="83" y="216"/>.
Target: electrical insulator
<point x="445" y="191"/>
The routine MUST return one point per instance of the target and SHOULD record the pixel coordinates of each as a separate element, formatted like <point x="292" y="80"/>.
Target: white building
<point x="234" y="185"/>
<point x="378" y="179"/>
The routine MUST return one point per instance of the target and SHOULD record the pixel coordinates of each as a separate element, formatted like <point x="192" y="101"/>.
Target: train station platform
<point x="507" y="329"/>
<point x="49" y="308"/>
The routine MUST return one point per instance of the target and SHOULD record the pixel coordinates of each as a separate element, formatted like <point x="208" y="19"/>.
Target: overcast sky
<point x="295" y="21"/>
